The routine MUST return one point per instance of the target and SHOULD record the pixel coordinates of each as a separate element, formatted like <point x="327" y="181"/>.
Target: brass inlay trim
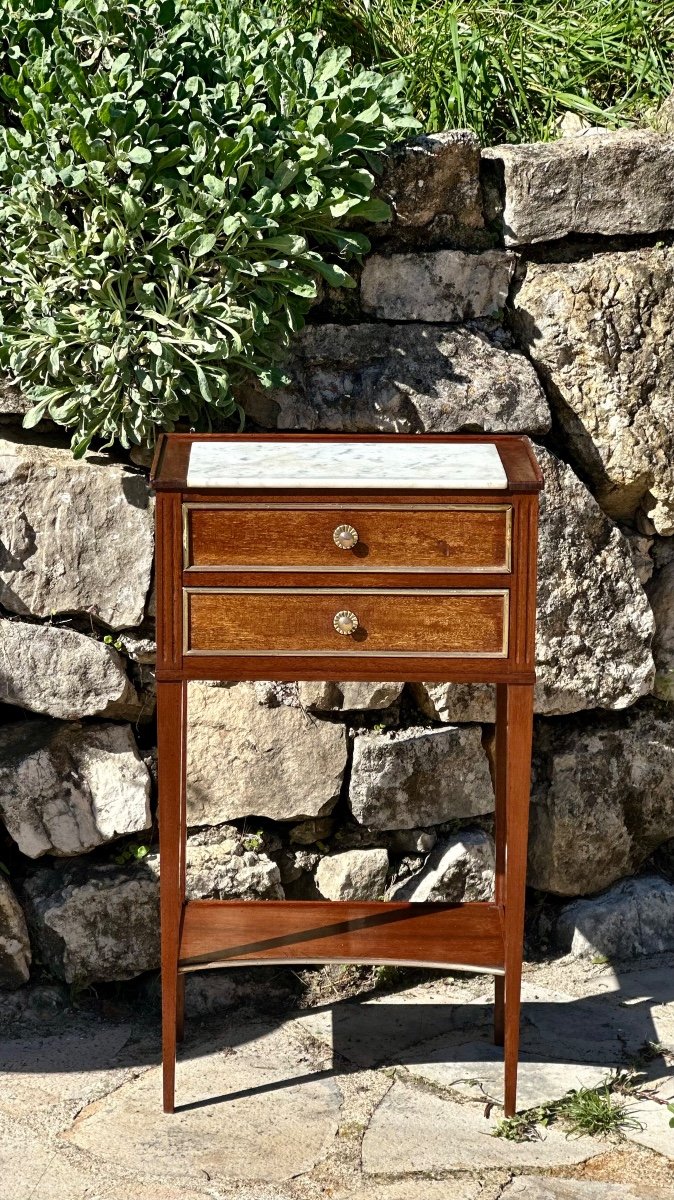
<point x="224" y="568"/>
<point x="185" y="968"/>
<point x="319" y="506"/>
<point x="186" y="536"/>
<point x="504" y="593"/>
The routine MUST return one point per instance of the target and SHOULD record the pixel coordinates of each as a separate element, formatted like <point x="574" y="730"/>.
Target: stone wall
<point x="525" y="289"/>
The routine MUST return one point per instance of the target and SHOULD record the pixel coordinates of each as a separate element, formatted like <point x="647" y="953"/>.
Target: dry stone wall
<point x="522" y="289"/>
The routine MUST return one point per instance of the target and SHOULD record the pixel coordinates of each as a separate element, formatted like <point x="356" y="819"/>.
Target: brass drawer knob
<point x="345" y="536"/>
<point x="345" y="622"/>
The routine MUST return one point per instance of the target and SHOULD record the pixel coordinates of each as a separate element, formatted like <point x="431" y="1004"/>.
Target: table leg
<point x="500" y="837"/>
<point x="499" y="1009"/>
<point x="180" y="1009"/>
<point x="514" y="719"/>
<point x="171" y="708"/>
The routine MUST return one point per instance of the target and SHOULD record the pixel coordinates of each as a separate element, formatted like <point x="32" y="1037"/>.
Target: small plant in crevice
<point x="597" y="1112"/>
<point x="177" y="177"/>
<point x="130" y="854"/>
<point x="583" y="1112"/>
<point x="522" y="1127"/>
<point x="253" y="841"/>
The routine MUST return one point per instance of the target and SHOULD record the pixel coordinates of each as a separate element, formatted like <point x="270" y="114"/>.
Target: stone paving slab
<point x="34" y="1168"/>
<point x="52" y="1077"/>
<point x="268" y="1115"/>
<point x="540" y="1187"/>
<point x="28" y="1164"/>
<point x="382" y="1029"/>
<point x="565" y="1043"/>
<point x="475" y="1069"/>
<point x="566" y="1028"/>
<point x="655" y="1131"/>
<point x="240" y="1116"/>
<point x="66" y="1065"/>
<point x="556" y="1026"/>
<point x="647" y="995"/>
<point x="421" y="1189"/>
<point x="414" y="1130"/>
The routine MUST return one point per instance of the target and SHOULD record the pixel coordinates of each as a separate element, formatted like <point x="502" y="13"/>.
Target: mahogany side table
<point x="347" y="557"/>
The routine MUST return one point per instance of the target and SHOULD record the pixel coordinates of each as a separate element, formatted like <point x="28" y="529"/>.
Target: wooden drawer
<point x="251" y="621"/>
<point x="459" y="538"/>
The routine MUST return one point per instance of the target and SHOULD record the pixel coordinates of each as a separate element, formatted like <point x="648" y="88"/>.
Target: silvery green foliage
<point x="172" y="180"/>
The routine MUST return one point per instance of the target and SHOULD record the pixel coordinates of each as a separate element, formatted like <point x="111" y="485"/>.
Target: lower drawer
<point x="442" y="623"/>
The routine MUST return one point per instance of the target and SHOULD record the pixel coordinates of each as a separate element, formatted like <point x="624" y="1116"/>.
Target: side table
<point x="305" y="557"/>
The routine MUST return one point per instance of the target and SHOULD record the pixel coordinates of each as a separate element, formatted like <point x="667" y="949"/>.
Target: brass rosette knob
<point x="345" y="622"/>
<point x="345" y="537"/>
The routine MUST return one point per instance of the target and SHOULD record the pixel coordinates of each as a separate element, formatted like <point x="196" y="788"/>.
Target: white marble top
<point x="345" y="465"/>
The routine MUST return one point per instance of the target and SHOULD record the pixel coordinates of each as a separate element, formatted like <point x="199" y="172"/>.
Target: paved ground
<point x="386" y="1097"/>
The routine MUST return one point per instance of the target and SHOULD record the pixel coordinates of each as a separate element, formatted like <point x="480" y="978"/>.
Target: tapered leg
<point x="501" y="756"/>
<point x="514" y="720"/>
<point x="180" y="1009"/>
<point x="499" y="1009"/>
<point x="170" y="757"/>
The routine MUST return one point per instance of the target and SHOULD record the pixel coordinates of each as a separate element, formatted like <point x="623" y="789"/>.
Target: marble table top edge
<point x="466" y="465"/>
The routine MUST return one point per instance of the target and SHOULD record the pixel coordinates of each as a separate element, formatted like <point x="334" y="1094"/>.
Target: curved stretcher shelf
<point x="218" y="933"/>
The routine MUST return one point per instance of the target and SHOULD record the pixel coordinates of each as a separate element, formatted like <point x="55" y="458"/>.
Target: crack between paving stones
<point x="92" y="1105"/>
<point x="444" y="1091"/>
<point x="370" y="1120"/>
<point x="503" y="1186"/>
<point x="34" y="1191"/>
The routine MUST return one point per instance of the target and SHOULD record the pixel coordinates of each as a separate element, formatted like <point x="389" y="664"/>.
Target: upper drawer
<point x="452" y="538"/>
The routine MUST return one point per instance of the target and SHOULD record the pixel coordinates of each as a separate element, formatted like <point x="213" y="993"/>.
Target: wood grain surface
<point x="457" y="539"/>
<point x="230" y="932"/>
<point x="284" y="621"/>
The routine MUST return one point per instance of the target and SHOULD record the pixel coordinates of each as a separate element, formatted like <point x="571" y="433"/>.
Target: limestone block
<point x="75" y="536"/>
<point x="602" y="798"/>
<point x="65" y="674"/>
<point x="66" y="788"/>
<point x="223" y="869"/>
<point x="445" y="286"/>
<point x="92" y="922"/>
<point x="459" y="868"/>
<point x="599" y="332"/>
<point x="610" y="183"/>
<point x="432" y="183"/>
<point x="661" y="596"/>
<point x="353" y="875"/>
<point x="419" y="777"/>
<point x="632" y="918"/>
<point x="248" y="759"/>
<point x="404" y="379"/>
<point x="15" y="955"/>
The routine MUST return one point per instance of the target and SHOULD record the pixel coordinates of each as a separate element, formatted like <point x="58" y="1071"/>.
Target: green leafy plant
<point x="253" y="841"/>
<point x="596" y="1112"/>
<point x="590" y="1112"/>
<point x="510" y="68"/>
<point x="173" y="176"/>
<point x="129" y="854"/>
